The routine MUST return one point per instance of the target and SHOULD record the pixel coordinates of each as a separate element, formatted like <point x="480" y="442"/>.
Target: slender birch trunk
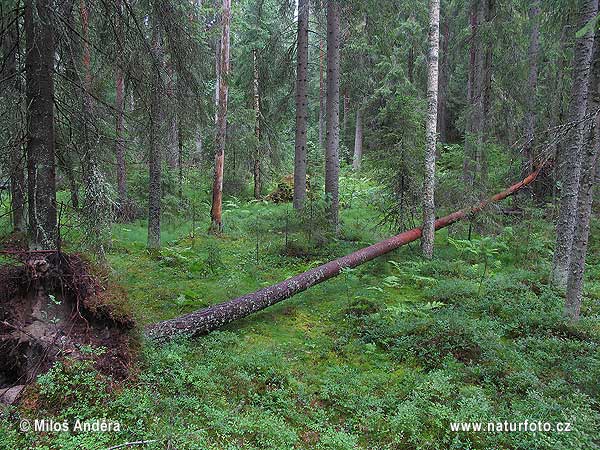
<point x="358" y="141"/>
<point x="431" y="137"/>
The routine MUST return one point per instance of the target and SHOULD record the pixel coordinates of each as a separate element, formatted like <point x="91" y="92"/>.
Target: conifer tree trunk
<point x="332" y="158"/>
<point x="321" y="94"/>
<point x="569" y="159"/>
<point x="156" y="136"/>
<point x="41" y="171"/>
<point x="300" y="158"/>
<point x="172" y="156"/>
<point x="530" y="116"/>
<point x="120" y="112"/>
<point x="358" y="141"/>
<point x="11" y="96"/>
<point x="256" y="93"/>
<point x="442" y="115"/>
<point x="589" y="169"/>
<point x="217" y="191"/>
<point x="431" y="137"/>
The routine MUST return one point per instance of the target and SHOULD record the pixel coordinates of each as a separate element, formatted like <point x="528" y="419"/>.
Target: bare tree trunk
<point x="332" y="156"/>
<point x="346" y="109"/>
<point x="41" y="170"/>
<point x="217" y="191"/>
<point x="216" y="316"/>
<point x="157" y="128"/>
<point x="321" y="94"/>
<point x="530" y="116"/>
<point x="11" y="91"/>
<point x="358" y="141"/>
<point x="432" y="91"/>
<point x="569" y="159"/>
<point x="255" y="85"/>
<point x="300" y="158"/>
<point x="120" y="113"/>
<point x="589" y="169"/>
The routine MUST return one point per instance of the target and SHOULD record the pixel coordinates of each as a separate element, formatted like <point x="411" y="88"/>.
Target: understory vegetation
<point x="386" y="355"/>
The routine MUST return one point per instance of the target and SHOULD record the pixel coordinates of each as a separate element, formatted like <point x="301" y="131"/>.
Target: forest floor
<point x="384" y="356"/>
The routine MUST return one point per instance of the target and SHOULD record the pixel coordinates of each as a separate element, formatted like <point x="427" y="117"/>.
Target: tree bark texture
<point x="430" y="130"/>
<point x="214" y="317"/>
<point x="332" y="156"/>
<point x="11" y="96"/>
<point x="569" y="158"/>
<point x="300" y="157"/>
<point x="216" y="210"/>
<point x="321" y="94"/>
<point x="256" y="95"/>
<point x="589" y="168"/>
<point x="41" y="175"/>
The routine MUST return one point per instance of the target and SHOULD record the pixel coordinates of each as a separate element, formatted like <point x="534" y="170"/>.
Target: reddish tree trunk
<point x="213" y="317"/>
<point x="217" y="191"/>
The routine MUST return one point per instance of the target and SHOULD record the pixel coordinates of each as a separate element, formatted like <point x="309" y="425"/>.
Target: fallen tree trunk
<point x="213" y="317"/>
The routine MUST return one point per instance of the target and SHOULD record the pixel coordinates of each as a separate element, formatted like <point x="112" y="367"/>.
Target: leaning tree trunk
<point x="569" y="159"/>
<point x="214" y="317"/>
<point x="41" y="170"/>
<point x="11" y="93"/>
<point x="585" y="197"/>
<point x="301" y="105"/>
<point x="255" y="86"/>
<point x="432" y="93"/>
<point x="358" y="141"/>
<point x="332" y="157"/>
<point x="223" y="75"/>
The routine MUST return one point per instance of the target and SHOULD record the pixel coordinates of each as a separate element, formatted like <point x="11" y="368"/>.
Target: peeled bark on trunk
<point x="41" y="175"/>
<point x="214" y="317"/>
<point x="358" y="142"/>
<point x="589" y="168"/>
<point x="332" y="156"/>
<point x="11" y="91"/>
<point x="569" y="159"/>
<point x="530" y="116"/>
<point x="217" y="191"/>
<point x="256" y="93"/>
<point x="156" y="138"/>
<point x="301" y="106"/>
<point x="432" y="91"/>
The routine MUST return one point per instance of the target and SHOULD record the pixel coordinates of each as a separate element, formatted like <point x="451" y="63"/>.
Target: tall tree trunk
<point x="11" y="91"/>
<point x="223" y="80"/>
<point x="346" y="109"/>
<point x="173" y="130"/>
<point x="321" y="94"/>
<point x="41" y="171"/>
<point x="589" y="169"/>
<point x="358" y="141"/>
<point x="256" y="93"/>
<point x="300" y="158"/>
<point x="120" y="112"/>
<point x="530" y="116"/>
<point x="332" y="156"/>
<point x="431" y="137"/>
<point x="442" y="114"/>
<point x="569" y="159"/>
<point x="157" y="127"/>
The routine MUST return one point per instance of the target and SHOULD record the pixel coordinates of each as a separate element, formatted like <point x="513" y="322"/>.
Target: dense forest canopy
<point x="170" y="167"/>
